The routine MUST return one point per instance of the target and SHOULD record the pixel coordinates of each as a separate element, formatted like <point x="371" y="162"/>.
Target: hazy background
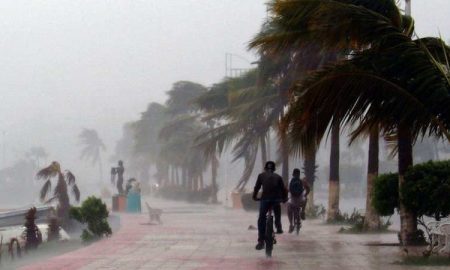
<point x="67" y="64"/>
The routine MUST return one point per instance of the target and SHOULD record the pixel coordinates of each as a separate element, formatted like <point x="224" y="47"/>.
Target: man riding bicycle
<point x="273" y="192"/>
<point x="298" y="191"/>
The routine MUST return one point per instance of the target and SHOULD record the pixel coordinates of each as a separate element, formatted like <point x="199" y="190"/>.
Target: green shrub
<point x="354" y="218"/>
<point x="385" y="194"/>
<point x="425" y="191"/>
<point x="93" y="212"/>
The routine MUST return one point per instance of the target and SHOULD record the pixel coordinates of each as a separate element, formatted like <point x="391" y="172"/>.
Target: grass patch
<point x="355" y="222"/>
<point x="315" y="211"/>
<point x="424" y="261"/>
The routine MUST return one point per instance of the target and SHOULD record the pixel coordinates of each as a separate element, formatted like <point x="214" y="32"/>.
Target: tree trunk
<point x="372" y="219"/>
<point x="177" y="177"/>
<point x="268" y="148"/>
<point x="333" y="192"/>
<point x="184" y="181"/>
<point x="263" y="150"/>
<point x="195" y="180"/>
<point x="408" y="219"/>
<point x="201" y="184"/>
<point x="284" y="146"/>
<point x="172" y="175"/>
<point x="309" y="167"/>
<point x="214" y="167"/>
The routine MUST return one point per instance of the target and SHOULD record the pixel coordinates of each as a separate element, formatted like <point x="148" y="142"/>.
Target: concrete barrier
<point x="17" y="217"/>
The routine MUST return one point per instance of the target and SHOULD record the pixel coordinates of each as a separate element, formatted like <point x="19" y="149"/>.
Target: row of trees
<point x="329" y="65"/>
<point x="163" y="141"/>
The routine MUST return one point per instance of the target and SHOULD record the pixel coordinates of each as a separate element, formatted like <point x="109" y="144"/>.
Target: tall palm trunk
<point x="284" y="147"/>
<point x="184" y="182"/>
<point x="214" y="167"/>
<point x="195" y="182"/>
<point x="408" y="220"/>
<point x="172" y="175"/>
<point x="263" y="150"/>
<point x="201" y="183"/>
<point x="372" y="219"/>
<point x="309" y="166"/>
<point x="333" y="192"/>
<point x="177" y="176"/>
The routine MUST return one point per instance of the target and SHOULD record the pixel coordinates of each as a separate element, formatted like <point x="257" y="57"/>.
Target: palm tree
<point x="92" y="148"/>
<point x="368" y="89"/>
<point x="286" y="66"/>
<point x="64" y="180"/>
<point x="146" y="146"/>
<point x="244" y="113"/>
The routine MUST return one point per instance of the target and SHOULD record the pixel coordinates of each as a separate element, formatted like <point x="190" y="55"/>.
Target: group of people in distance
<point x="275" y="192"/>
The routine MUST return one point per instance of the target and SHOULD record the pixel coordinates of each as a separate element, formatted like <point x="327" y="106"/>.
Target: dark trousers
<point x="264" y="207"/>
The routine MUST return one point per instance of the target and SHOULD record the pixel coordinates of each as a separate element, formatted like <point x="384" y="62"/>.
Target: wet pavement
<point x="213" y="237"/>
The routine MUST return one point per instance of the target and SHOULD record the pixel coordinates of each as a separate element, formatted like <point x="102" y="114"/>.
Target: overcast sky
<point x="68" y="64"/>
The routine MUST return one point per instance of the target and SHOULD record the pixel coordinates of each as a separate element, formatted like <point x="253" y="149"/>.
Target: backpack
<point x="296" y="187"/>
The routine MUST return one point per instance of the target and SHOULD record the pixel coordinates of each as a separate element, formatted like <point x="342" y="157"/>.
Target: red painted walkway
<point x="213" y="237"/>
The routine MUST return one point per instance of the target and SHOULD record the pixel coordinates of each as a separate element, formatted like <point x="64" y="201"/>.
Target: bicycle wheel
<point x="268" y="237"/>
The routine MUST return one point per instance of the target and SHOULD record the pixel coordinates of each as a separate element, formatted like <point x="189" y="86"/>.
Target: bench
<point x="154" y="214"/>
<point x="440" y="236"/>
<point x="445" y="230"/>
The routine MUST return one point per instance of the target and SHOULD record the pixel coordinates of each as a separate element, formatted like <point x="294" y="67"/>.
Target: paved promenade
<point x="212" y="237"/>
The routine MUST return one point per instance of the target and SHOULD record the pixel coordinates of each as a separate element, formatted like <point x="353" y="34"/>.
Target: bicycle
<point x="297" y="219"/>
<point x="269" y="235"/>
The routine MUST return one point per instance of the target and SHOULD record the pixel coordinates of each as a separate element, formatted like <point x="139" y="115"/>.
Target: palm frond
<point x="52" y="199"/>
<point x="50" y="171"/>
<point x="45" y="189"/>
<point x="436" y="47"/>
<point x="353" y="91"/>
<point x="76" y="192"/>
<point x="70" y="177"/>
<point x="185" y="121"/>
<point x="249" y="159"/>
<point x="299" y="22"/>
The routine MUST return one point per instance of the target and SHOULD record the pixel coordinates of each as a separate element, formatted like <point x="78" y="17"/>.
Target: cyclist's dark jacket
<point x="272" y="185"/>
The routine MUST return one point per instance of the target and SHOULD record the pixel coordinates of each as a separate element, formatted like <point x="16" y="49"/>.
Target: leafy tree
<point x="427" y="189"/>
<point x="92" y="148"/>
<point x="424" y="193"/>
<point x="385" y="194"/>
<point x="94" y="213"/>
<point x="64" y="180"/>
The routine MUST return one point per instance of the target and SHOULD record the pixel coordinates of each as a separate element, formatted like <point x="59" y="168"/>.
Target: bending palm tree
<point x="60" y="192"/>
<point x="396" y="82"/>
<point x="92" y="148"/>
